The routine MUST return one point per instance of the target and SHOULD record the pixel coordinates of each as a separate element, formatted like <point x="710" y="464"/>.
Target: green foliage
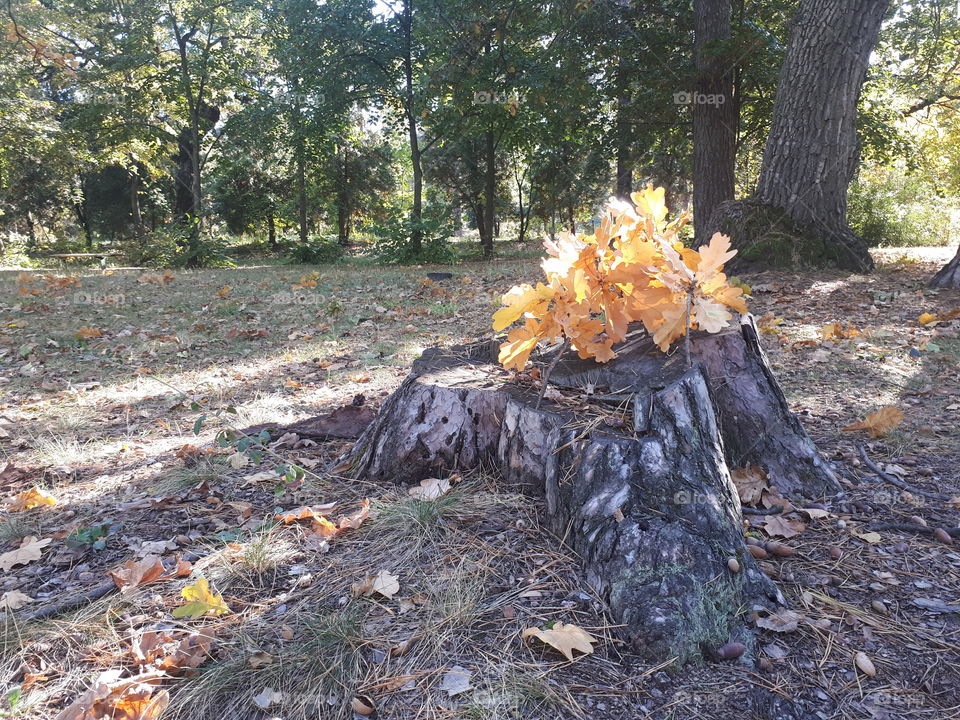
<point x="94" y="537"/>
<point x="317" y="251"/>
<point x="392" y="245"/>
<point x="896" y="209"/>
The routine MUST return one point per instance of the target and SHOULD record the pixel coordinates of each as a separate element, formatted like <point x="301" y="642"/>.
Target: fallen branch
<point x="74" y="601"/>
<point x="911" y="527"/>
<point x="897" y="481"/>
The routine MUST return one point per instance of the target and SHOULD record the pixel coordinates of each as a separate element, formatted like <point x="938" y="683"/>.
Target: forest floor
<point x="417" y="610"/>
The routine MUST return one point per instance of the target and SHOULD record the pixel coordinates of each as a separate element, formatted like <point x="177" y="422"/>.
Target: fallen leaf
<point x="134" y="573"/>
<point x="779" y="526"/>
<point x="267" y="698"/>
<point x="564" y="637"/>
<point x="871" y="537"/>
<point x="14" y="600"/>
<point x="238" y="460"/>
<point x="357" y="517"/>
<point x="384" y="583"/>
<point x="28" y="551"/>
<point x="88" y="333"/>
<point x="127" y="699"/>
<point x="750" y="482"/>
<point x="32" y="498"/>
<point x="456" y="681"/>
<point x="200" y="601"/>
<point x="879" y="423"/>
<point x="783" y="620"/>
<point x="926" y="318"/>
<point x="430" y="489"/>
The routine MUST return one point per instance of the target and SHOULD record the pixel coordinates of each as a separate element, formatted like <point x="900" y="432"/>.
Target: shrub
<point x="316" y="251"/>
<point x="894" y="209"/>
<point x="391" y="241"/>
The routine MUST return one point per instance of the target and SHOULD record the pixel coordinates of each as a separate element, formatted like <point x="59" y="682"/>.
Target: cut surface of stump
<point x="632" y="461"/>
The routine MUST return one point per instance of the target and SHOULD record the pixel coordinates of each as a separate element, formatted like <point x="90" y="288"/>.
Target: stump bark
<point x="632" y="465"/>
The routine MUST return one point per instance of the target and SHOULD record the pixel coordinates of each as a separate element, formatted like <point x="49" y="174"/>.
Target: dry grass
<point x="475" y="567"/>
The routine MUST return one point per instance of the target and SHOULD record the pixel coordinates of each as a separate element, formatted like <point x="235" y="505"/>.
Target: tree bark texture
<point x="949" y="275"/>
<point x="811" y="152"/>
<point x="715" y="114"/>
<point x="633" y="469"/>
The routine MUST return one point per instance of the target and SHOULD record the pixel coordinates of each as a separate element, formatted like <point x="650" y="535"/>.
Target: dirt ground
<point x="121" y="396"/>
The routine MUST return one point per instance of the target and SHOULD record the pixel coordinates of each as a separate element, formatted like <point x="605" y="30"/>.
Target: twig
<point x="911" y="527"/>
<point x="73" y="601"/>
<point x="686" y="339"/>
<point x="759" y="511"/>
<point x="897" y="481"/>
<point x="550" y="367"/>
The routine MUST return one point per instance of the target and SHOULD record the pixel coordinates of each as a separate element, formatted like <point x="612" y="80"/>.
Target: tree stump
<point x="632" y="465"/>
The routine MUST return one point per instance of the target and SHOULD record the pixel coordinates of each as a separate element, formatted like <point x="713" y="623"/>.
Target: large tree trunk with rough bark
<point x="798" y="214"/>
<point x="949" y="275"/>
<point x="631" y="460"/>
<point x="715" y="114"/>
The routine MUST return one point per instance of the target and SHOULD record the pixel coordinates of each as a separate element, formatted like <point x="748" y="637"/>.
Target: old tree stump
<point x="633" y="466"/>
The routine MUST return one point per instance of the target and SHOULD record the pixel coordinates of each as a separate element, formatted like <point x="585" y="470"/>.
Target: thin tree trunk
<point x="811" y="152"/>
<point x="135" y="213"/>
<point x="272" y="232"/>
<point x="623" y="133"/>
<point x="416" y="212"/>
<point x="83" y="217"/>
<point x="715" y="115"/>
<point x="489" y="193"/>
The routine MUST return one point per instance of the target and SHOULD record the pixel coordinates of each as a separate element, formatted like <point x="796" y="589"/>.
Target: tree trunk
<point x="811" y="152"/>
<point x="83" y="217"/>
<point x="489" y="193"/>
<point x="633" y="467"/>
<point x="416" y="212"/>
<point x="135" y="213"/>
<point x="624" y="135"/>
<point x="949" y="275"/>
<point x="272" y="232"/>
<point x="715" y="115"/>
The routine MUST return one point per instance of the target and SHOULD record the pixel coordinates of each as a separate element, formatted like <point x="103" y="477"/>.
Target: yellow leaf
<point x="650" y="203"/>
<point x="674" y="325"/>
<point x="200" y="601"/>
<point x="32" y="498"/>
<point x="879" y="423"/>
<point x="926" y="318"/>
<point x="520" y="343"/>
<point x="517" y="300"/>
<point x="564" y="637"/>
<point x="713" y="257"/>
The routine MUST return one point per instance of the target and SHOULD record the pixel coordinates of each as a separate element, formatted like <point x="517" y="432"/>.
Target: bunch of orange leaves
<point x="634" y="267"/>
